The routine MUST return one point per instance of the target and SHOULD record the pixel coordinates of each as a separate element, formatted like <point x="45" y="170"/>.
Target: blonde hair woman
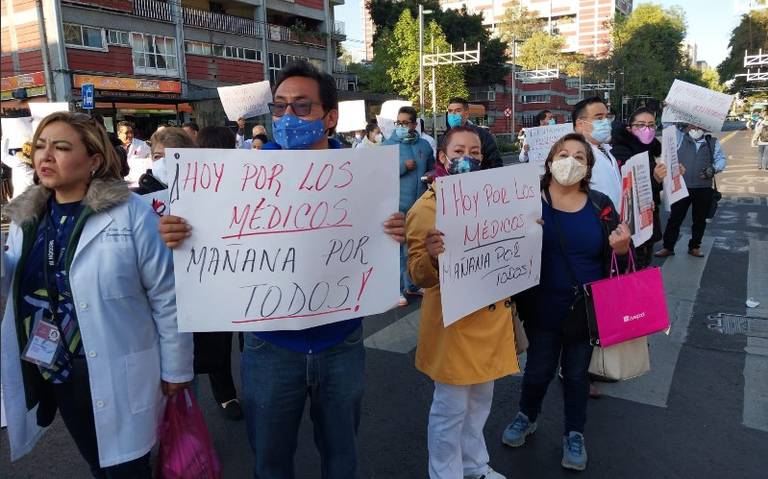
<point x="90" y="325"/>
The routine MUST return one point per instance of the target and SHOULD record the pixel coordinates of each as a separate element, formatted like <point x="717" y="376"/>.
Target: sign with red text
<point x="674" y="185"/>
<point x="637" y="197"/>
<point x="283" y="241"/>
<point x="688" y="103"/>
<point x="492" y="240"/>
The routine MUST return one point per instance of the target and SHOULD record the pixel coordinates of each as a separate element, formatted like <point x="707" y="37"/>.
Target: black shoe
<point x="231" y="410"/>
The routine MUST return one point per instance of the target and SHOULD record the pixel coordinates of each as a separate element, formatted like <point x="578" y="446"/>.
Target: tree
<point x="518" y="23"/>
<point x="647" y="51"/>
<point x="751" y="34"/>
<point x="711" y="79"/>
<point x="542" y="50"/>
<point x="402" y="56"/>
<point x="459" y="26"/>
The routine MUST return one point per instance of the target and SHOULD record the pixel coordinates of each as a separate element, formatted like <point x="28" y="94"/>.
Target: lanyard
<point x="49" y="270"/>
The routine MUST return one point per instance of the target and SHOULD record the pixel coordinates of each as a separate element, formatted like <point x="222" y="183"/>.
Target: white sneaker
<point x="402" y="301"/>
<point x="489" y="474"/>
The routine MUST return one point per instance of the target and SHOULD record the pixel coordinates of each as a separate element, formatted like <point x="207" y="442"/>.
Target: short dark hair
<point x="261" y="137"/>
<point x="216" y="137"/>
<point x="122" y="124"/>
<point x="584" y="184"/>
<point x="458" y="99"/>
<point x="541" y="115"/>
<point x="408" y="110"/>
<point x="578" y="108"/>
<point x="370" y="127"/>
<point x="639" y="112"/>
<point x="191" y="124"/>
<point x="329" y="97"/>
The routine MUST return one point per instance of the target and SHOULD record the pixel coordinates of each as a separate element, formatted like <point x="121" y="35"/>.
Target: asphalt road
<point x="686" y="419"/>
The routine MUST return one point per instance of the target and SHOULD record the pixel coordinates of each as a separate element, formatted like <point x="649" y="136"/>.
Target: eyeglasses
<point x="644" y="125"/>
<point x="299" y="107"/>
<point x="403" y="123"/>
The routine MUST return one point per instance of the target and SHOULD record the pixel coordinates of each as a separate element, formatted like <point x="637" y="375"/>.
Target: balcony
<point x="482" y="96"/>
<point x="339" y="30"/>
<point x="219" y="22"/>
<point x="279" y="33"/>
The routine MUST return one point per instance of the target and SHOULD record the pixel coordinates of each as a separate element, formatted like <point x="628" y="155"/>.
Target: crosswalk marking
<point x="399" y="337"/>
<point x="757" y="277"/>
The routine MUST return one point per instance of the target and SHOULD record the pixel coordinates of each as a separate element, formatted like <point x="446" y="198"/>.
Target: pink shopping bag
<point x="186" y="451"/>
<point x="626" y="306"/>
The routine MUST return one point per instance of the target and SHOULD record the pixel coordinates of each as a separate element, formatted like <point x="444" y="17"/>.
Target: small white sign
<point x="540" y="140"/>
<point x="637" y="198"/>
<point x="674" y="185"/>
<point x="351" y="116"/>
<point x="41" y="110"/>
<point x="245" y="101"/>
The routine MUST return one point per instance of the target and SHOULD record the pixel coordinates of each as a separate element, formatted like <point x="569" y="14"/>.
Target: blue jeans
<point x="762" y="156"/>
<point x="405" y="280"/>
<point x="275" y="386"/>
<point x="544" y="351"/>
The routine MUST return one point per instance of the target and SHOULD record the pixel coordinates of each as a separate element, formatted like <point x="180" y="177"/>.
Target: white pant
<point x="455" y="431"/>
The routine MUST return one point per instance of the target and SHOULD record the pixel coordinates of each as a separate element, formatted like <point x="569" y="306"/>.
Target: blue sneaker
<point x="574" y="452"/>
<point x="514" y="435"/>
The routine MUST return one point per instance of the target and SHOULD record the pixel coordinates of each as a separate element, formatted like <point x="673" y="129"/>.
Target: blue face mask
<point x="294" y="133"/>
<point x="401" y="132"/>
<point x="601" y="130"/>
<point x="551" y="121"/>
<point x="454" y="119"/>
<point x="464" y="164"/>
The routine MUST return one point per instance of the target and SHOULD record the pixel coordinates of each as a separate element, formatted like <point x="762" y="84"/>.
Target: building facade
<point x="154" y="61"/>
<point x="582" y="23"/>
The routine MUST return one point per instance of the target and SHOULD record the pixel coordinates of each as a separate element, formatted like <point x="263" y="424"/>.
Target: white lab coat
<point x="606" y="176"/>
<point x="139" y="160"/>
<point x="123" y="290"/>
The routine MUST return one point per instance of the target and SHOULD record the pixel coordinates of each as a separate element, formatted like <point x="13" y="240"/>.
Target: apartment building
<point x="152" y="61"/>
<point x="582" y="23"/>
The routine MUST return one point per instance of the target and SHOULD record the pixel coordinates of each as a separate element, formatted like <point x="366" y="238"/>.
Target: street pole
<point x="421" y="61"/>
<point x="434" y="97"/>
<point x="514" y="92"/>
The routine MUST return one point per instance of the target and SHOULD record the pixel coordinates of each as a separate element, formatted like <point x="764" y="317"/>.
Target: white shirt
<point x="606" y="176"/>
<point x="139" y="160"/>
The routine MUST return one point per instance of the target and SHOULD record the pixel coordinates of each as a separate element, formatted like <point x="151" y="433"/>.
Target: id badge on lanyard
<point x="45" y="341"/>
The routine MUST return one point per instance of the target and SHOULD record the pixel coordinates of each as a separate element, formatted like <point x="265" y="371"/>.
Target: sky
<point x="710" y="23"/>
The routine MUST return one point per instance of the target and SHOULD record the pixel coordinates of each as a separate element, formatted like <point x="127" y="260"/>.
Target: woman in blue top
<point x="581" y="229"/>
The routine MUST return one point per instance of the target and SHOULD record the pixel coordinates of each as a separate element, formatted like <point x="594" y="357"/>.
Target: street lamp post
<point x="422" y="12"/>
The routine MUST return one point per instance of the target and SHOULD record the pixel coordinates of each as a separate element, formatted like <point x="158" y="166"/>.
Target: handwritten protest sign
<point x="16" y="131"/>
<point x="540" y="140"/>
<point x="674" y="185"/>
<point x="285" y="241"/>
<point x="245" y="101"/>
<point x="688" y="103"/>
<point x="351" y="116"/>
<point x="41" y="110"/>
<point x="637" y="197"/>
<point x="492" y="240"/>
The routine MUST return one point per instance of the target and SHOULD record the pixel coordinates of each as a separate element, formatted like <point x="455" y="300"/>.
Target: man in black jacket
<point x="458" y="115"/>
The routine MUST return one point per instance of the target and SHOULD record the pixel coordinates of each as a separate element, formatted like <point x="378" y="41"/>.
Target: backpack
<point x="763" y="136"/>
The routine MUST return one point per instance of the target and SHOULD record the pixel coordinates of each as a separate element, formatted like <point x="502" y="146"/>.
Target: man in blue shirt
<point x="279" y="369"/>
<point x="701" y="155"/>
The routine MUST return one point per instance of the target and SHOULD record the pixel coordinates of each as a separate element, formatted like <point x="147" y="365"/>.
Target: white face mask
<point x="358" y="136"/>
<point x="568" y="171"/>
<point x="379" y="138"/>
<point x="696" y="133"/>
<point x="159" y="171"/>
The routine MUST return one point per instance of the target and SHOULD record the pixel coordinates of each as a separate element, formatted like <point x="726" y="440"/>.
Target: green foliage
<point x="542" y="50"/>
<point x="647" y="49"/>
<point x="518" y="23"/>
<point x="402" y="59"/>
<point x="751" y="34"/>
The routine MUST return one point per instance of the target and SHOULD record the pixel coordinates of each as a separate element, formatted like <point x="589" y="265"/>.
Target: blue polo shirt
<point x="312" y="340"/>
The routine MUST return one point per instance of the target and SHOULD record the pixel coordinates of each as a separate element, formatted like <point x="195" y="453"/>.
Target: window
<point x="242" y="53"/>
<point x="277" y="61"/>
<point x="573" y="82"/>
<point x="84" y="37"/>
<point x="534" y="99"/>
<point x="197" y="48"/>
<point x="154" y="55"/>
<point x="116" y="37"/>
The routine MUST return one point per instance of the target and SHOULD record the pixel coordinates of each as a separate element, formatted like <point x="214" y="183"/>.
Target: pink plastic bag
<point x="186" y="451"/>
<point x="627" y="306"/>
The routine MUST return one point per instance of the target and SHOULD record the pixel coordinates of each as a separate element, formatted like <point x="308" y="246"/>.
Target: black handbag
<point x="716" y="197"/>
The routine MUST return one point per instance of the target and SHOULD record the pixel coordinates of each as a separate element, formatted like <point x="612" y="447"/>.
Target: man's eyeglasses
<point x="403" y="123"/>
<point x="299" y="107"/>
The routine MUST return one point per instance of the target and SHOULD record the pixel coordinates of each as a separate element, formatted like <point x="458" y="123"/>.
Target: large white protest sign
<point x="688" y="103"/>
<point x="16" y="131"/>
<point x="245" y="101"/>
<point x="674" y="185"/>
<point x="637" y="197"/>
<point x="41" y="110"/>
<point x="386" y="119"/>
<point x="492" y="240"/>
<point x="351" y="116"/>
<point x="286" y="240"/>
<point x="540" y="140"/>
